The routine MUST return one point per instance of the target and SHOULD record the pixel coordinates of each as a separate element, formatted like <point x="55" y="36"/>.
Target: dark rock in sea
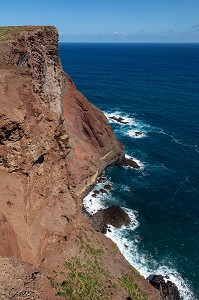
<point x="168" y="290"/>
<point x="137" y="133"/>
<point x="101" y="179"/>
<point x="103" y="191"/>
<point x="113" y="215"/>
<point x="95" y="193"/>
<point x="119" y="120"/>
<point x="128" y="162"/>
<point x="108" y="187"/>
<point x="138" y="238"/>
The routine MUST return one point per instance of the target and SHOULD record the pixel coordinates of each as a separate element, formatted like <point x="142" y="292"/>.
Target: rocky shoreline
<point x="117" y="217"/>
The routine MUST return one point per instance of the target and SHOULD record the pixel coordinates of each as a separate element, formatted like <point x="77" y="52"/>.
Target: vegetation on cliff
<point x="87" y="278"/>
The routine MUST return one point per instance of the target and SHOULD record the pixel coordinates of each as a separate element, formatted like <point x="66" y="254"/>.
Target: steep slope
<point x="53" y="145"/>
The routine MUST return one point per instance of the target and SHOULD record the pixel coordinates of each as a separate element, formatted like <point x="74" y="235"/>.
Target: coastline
<point x="54" y="143"/>
<point x="55" y="146"/>
<point x="94" y="202"/>
<point x="158" y="195"/>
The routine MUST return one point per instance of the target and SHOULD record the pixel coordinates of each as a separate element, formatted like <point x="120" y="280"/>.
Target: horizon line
<point x="98" y="42"/>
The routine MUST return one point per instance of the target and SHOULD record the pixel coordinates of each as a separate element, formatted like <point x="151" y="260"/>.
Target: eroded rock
<point x="128" y="162"/>
<point x="168" y="290"/>
<point x="113" y="215"/>
<point x="119" y="119"/>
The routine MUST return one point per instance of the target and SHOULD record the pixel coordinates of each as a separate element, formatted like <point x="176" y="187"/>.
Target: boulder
<point x="113" y="215"/>
<point x="168" y="290"/>
<point x="108" y="187"/>
<point x="137" y="133"/>
<point x="119" y="120"/>
<point x="128" y="162"/>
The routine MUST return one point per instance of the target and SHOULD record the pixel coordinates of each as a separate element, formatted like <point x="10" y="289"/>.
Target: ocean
<point x="155" y="88"/>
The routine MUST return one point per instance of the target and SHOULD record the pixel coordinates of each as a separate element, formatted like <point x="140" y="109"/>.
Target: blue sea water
<point x="155" y="87"/>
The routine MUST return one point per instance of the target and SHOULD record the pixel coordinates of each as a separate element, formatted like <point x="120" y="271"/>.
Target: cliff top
<point x="11" y="32"/>
<point x="17" y="43"/>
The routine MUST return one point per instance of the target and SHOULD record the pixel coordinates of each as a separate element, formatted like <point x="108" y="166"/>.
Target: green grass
<point x="9" y="32"/>
<point x="133" y="288"/>
<point x="86" y="278"/>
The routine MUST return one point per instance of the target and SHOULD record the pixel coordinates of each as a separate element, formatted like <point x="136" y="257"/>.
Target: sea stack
<point x="53" y="146"/>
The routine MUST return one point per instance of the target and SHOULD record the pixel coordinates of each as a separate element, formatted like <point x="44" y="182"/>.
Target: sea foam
<point x="145" y="264"/>
<point x="130" y="126"/>
<point x="94" y="202"/>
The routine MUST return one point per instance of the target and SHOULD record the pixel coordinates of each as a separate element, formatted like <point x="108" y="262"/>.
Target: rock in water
<point x="128" y="162"/>
<point x="113" y="215"/>
<point x="119" y="120"/>
<point x="168" y="290"/>
<point x="138" y="133"/>
<point x="108" y="187"/>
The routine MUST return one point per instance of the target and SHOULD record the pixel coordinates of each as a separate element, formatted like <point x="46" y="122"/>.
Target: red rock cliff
<point x="50" y="136"/>
<point x="53" y="145"/>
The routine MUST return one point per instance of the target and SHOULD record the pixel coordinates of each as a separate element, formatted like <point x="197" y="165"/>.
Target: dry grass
<point x="10" y="32"/>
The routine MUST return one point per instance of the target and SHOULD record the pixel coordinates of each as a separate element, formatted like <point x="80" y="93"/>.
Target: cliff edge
<point x="53" y="146"/>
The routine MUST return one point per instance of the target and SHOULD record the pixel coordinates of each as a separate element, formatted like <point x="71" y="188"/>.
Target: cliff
<point x="53" y="146"/>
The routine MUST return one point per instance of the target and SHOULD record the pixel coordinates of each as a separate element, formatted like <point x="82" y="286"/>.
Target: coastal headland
<point x="53" y="146"/>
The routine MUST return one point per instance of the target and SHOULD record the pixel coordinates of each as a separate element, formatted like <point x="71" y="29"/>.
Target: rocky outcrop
<point x="168" y="290"/>
<point x="36" y="50"/>
<point x="113" y="215"/>
<point x="128" y="162"/>
<point x="53" y="146"/>
<point x="119" y="120"/>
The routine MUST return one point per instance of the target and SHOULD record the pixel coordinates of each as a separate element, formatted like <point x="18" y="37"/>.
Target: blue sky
<point x="109" y="20"/>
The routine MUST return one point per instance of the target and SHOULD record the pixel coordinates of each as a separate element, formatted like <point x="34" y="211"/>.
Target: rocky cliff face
<point x="53" y="145"/>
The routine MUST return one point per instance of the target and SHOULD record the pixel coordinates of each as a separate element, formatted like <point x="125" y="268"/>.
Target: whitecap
<point x="94" y="202"/>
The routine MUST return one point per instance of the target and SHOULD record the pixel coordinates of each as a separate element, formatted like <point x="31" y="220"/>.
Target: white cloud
<point x="123" y="33"/>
